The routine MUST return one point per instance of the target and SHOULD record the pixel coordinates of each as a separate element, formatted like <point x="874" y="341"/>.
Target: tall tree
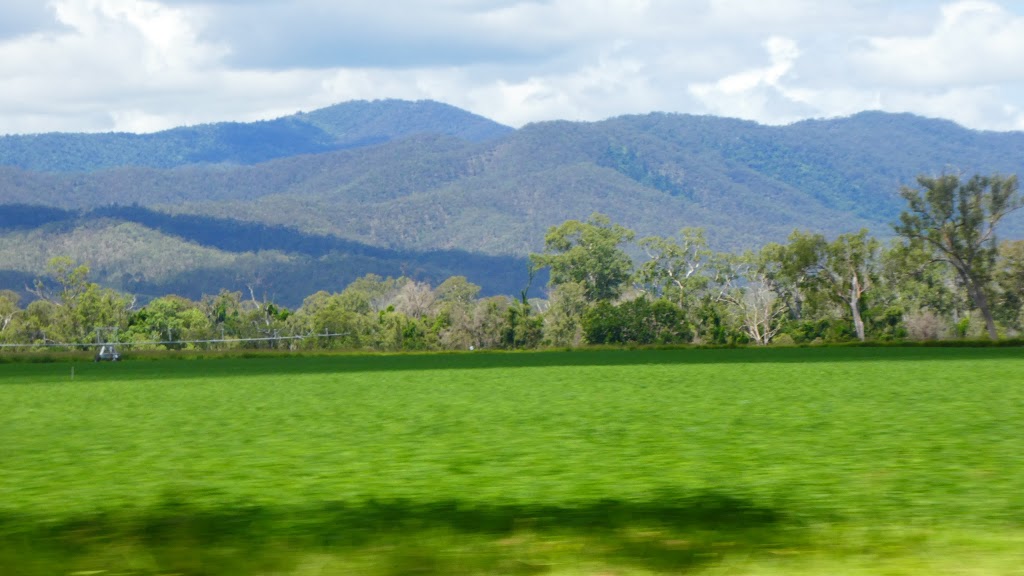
<point x="849" y="271"/>
<point x="563" y="320"/>
<point x="589" y="253"/>
<point x="80" y="307"/>
<point x="377" y="292"/>
<point x="676" y="267"/>
<point x="414" y="299"/>
<point x="957" y="222"/>
<point x="454" y="302"/>
<point x="456" y="290"/>
<point x="170" y="318"/>
<point x="750" y="293"/>
<point x="8" y="310"/>
<point x="1010" y="282"/>
<point x="71" y="279"/>
<point x="793" y="268"/>
<point x="928" y="292"/>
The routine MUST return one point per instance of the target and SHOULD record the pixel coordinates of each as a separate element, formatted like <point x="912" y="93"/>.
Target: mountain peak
<point x="359" y="121"/>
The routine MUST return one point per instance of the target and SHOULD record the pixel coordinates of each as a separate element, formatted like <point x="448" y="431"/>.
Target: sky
<point x="148" y="65"/>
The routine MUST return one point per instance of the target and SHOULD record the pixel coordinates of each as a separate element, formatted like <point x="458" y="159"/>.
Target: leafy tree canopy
<point x="956" y="221"/>
<point x="590" y="253"/>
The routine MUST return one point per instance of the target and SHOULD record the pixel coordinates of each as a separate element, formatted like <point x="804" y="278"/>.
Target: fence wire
<point x="133" y="343"/>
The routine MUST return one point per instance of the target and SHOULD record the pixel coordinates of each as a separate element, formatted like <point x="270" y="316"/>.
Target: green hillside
<point x="655" y="173"/>
<point x="417" y="177"/>
<point x="150" y="255"/>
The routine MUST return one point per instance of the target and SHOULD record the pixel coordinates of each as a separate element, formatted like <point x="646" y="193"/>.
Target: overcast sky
<point x="145" y="65"/>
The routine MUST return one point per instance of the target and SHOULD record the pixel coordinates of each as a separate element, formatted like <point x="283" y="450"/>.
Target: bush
<point x="925" y="325"/>
<point x="783" y="340"/>
<point x="638" y="321"/>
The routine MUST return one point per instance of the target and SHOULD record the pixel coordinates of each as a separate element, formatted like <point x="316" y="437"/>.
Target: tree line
<point x="945" y="275"/>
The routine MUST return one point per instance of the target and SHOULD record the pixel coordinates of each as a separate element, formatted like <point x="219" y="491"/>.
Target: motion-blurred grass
<point x="745" y="461"/>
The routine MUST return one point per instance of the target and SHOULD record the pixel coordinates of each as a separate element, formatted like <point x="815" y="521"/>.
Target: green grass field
<point x="750" y="461"/>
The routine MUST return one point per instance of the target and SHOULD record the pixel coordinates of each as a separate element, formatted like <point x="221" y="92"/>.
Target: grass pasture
<point x="752" y="461"/>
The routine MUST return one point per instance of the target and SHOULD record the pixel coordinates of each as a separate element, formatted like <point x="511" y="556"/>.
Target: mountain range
<point x="314" y="200"/>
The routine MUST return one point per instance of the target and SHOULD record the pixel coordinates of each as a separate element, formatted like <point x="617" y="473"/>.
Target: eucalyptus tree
<point x="340" y="320"/>
<point x="414" y="299"/>
<point x="676" y="268"/>
<point x="563" y="320"/>
<point x="454" y="300"/>
<point x="590" y="253"/>
<point x="225" y="312"/>
<point x="850" y="268"/>
<point x="793" y="269"/>
<point x="170" y="319"/>
<point x="78" y="306"/>
<point x="1009" y="277"/>
<point x="743" y="282"/>
<point x="68" y="280"/>
<point x="928" y="292"/>
<point x="456" y="290"/>
<point x="956" y="221"/>
<point x="8" y="312"/>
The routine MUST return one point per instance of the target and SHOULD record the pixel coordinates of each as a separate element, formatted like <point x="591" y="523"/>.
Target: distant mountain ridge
<point x="418" y="178"/>
<point x="347" y="125"/>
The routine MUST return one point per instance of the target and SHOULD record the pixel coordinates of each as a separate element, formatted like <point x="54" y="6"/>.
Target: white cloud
<point x="144" y="65"/>
<point x="978" y="107"/>
<point x="972" y="43"/>
<point x="109" y="55"/>
<point x="760" y="93"/>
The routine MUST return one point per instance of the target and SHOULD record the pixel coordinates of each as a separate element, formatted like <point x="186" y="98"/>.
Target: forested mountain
<point x="417" y="178"/>
<point x="151" y="254"/>
<point x="347" y="125"/>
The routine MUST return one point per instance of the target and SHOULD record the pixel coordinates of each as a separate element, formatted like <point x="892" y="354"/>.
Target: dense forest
<point x="313" y="201"/>
<point x="430" y="182"/>
<point x="151" y="253"/>
<point x="409" y="195"/>
<point x="945" y="275"/>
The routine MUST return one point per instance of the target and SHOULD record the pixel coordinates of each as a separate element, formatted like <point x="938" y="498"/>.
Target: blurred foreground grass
<point x="858" y="461"/>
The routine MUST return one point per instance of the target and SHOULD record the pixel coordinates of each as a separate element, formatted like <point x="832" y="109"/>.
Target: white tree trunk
<point x="858" y="322"/>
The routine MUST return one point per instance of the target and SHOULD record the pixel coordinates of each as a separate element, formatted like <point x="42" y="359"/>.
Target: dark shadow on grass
<point x="170" y="365"/>
<point x="670" y="534"/>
